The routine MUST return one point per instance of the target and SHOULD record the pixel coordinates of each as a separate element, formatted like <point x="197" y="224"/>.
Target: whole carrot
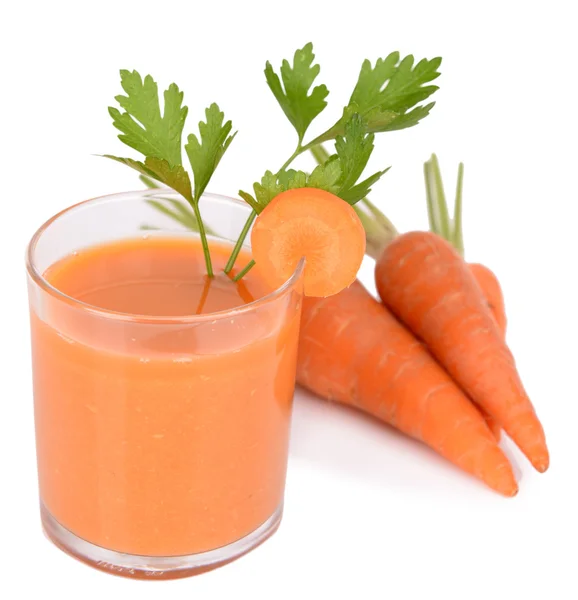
<point x="354" y="351"/>
<point x="426" y="283"/>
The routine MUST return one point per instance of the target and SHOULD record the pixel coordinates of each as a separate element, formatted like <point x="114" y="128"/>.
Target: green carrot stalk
<point x="440" y="222"/>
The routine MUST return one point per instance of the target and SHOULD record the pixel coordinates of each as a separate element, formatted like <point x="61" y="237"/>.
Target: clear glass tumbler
<point x="158" y="460"/>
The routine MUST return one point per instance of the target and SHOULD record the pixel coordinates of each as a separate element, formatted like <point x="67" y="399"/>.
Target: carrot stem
<point x="319" y="153"/>
<point x="433" y="216"/>
<point x="440" y="199"/>
<point x="458" y="234"/>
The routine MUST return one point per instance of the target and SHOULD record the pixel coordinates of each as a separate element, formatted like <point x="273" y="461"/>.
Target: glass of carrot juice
<point x="162" y="396"/>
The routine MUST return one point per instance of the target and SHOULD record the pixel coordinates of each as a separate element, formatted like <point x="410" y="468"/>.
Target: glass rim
<point x="39" y="279"/>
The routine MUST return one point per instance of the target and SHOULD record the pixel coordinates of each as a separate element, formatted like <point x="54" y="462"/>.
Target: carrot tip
<point x="509" y="489"/>
<point x="540" y="459"/>
<point x="541" y="466"/>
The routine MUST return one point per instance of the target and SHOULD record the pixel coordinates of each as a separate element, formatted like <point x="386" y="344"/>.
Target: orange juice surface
<point x="157" y="436"/>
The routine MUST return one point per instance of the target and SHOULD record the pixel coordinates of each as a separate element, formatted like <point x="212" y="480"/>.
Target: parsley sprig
<point x="388" y="96"/>
<point x="159" y="138"/>
<point x="300" y="106"/>
<point x="338" y="174"/>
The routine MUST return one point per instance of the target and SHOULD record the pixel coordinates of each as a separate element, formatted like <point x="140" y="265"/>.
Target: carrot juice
<point x="162" y="401"/>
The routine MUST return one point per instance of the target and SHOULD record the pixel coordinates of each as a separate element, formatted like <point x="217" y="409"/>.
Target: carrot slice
<point x="313" y="224"/>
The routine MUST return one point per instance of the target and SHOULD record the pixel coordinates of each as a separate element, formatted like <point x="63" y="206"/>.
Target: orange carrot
<point x="490" y="286"/>
<point x="426" y="283"/>
<point x="314" y="224"/>
<point x="354" y="351"/>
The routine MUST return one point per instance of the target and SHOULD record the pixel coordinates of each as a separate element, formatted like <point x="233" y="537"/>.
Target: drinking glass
<point x="162" y="442"/>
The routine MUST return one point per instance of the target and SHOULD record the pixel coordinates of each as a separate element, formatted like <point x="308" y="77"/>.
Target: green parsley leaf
<point x="401" y="121"/>
<point x="353" y="151"/>
<point x="300" y="106"/>
<point x="352" y="155"/>
<point x="151" y="184"/>
<point x="392" y="87"/>
<point x="251" y="201"/>
<point x="388" y="95"/>
<point x="268" y="188"/>
<point x="141" y="125"/>
<point x="175" y="177"/>
<point x="137" y="165"/>
<point x="361" y="190"/>
<point x="271" y="185"/>
<point x="379" y="120"/>
<point x="326" y="176"/>
<point x="154" y="168"/>
<point x="205" y="155"/>
<point x="292" y="179"/>
<point x="368" y="93"/>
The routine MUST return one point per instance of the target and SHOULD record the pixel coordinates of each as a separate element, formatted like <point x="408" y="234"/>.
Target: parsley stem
<point x="204" y="241"/>
<point x="244" y="232"/>
<point x="329" y="135"/>
<point x="299" y="150"/>
<point x="244" y="270"/>
<point x="239" y="244"/>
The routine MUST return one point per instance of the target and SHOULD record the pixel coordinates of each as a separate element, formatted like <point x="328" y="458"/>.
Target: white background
<point x="369" y="514"/>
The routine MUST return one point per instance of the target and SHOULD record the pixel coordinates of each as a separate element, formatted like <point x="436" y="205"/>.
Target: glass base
<point x="154" y="567"/>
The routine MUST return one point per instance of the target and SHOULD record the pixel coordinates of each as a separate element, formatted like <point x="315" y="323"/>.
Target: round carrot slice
<point x="313" y="224"/>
